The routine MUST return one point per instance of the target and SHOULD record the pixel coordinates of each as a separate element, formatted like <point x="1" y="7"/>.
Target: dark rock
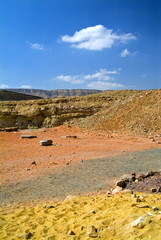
<point x="29" y="235"/>
<point x="133" y="178"/>
<point x="153" y="190"/>
<point x="121" y="183"/>
<point x="28" y="136"/>
<point x="71" y="232"/>
<point x="34" y="163"/>
<point x="149" y="174"/>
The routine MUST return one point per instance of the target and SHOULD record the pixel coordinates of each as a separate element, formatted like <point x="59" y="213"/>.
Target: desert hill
<point x="55" y="93"/>
<point x="124" y="111"/>
<point x="15" y="96"/>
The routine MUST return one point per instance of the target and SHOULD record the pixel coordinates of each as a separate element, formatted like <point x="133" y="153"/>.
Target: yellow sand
<point x="111" y="215"/>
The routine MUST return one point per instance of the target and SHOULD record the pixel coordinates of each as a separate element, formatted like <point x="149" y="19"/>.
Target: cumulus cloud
<point x="99" y="85"/>
<point x="101" y="79"/>
<point x="125" y="53"/>
<point x="102" y="74"/>
<point x="36" y="46"/>
<point x="96" y="38"/>
<point x="4" y="86"/>
<point x="26" y="86"/>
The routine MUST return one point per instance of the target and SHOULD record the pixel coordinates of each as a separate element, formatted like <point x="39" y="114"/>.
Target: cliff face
<point x="55" y="93"/>
<point x="126" y="111"/>
<point x="44" y="113"/>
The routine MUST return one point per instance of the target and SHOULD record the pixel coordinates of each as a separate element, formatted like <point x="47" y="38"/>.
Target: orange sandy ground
<point x="17" y="155"/>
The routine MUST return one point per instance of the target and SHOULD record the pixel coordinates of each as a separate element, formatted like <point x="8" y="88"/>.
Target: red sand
<point x="17" y="155"/>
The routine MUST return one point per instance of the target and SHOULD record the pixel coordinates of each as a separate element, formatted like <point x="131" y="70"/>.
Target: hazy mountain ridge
<point x="55" y="93"/>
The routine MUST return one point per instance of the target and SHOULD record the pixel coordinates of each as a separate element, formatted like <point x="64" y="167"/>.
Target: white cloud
<point x="125" y="52"/>
<point x="76" y="79"/>
<point x="102" y="74"/>
<point x="99" y="85"/>
<point x="96" y="38"/>
<point x="101" y="79"/>
<point x="26" y="86"/>
<point x="4" y="86"/>
<point x="36" y="46"/>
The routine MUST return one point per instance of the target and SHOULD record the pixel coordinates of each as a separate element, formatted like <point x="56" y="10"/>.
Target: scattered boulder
<point x="46" y="142"/>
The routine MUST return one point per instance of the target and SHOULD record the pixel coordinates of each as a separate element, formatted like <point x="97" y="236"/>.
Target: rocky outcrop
<point x="126" y="111"/>
<point x="44" y="113"/>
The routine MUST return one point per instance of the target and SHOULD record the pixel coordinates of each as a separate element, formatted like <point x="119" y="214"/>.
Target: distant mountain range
<point x="55" y="93"/>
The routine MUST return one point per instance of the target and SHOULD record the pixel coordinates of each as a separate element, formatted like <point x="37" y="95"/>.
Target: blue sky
<point x="80" y="44"/>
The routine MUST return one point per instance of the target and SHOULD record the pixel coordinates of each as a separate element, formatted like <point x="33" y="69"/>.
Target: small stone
<point x="93" y="211"/>
<point x="133" y="178"/>
<point x="69" y="136"/>
<point x="159" y="189"/>
<point x="158" y="142"/>
<point x="46" y="142"/>
<point x="67" y="163"/>
<point x="117" y="190"/>
<point x="121" y="184"/>
<point x="155" y="208"/>
<point x="29" y="235"/>
<point x="28" y="169"/>
<point x="137" y="199"/>
<point x="49" y="206"/>
<point x="134" y="195"/>
<point x="108" y="192"/>
<point x="91" y="231"/>
<point x="153" y="190"/>
<point x="34" y="163"/>
<point x="70" y="232"/>
<point x="142" y="206"/>
<point x="153" y="140"/>
<point x="81" y="160"/>
<point x="28" y="136"/>
<point x="138" y="223"/>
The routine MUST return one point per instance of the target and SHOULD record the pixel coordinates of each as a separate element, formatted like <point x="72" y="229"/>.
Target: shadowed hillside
<point x="125" y="111"/>
<point x="14" y="96"/>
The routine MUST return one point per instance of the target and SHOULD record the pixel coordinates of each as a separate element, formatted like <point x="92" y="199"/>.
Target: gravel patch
<point x="81" y="177"/>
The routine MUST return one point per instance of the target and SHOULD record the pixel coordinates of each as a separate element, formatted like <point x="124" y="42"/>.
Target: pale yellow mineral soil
<point x="112" y="216"/>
